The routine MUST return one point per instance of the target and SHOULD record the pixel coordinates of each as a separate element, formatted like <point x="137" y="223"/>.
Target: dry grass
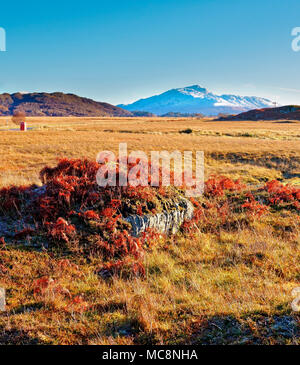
<point x="227" y="286"/>
<point x="256" y="158"/>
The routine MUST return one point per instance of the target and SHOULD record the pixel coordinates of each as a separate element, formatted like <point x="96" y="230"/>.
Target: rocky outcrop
<point x="165" y="222"/>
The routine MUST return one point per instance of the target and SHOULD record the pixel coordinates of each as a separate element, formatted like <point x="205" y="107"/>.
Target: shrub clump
<point x="73" y="213"/>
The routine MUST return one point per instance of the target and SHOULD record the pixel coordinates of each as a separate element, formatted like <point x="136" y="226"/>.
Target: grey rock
<point x="2" y="299"/>
<point x="166" y="222"/>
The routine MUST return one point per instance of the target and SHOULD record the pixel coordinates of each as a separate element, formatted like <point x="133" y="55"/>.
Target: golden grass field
<point x="254" y="150"/>
<point x="231" y="285"/>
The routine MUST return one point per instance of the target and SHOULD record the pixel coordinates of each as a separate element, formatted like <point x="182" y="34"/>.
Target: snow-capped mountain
<point x="196" y="99"/>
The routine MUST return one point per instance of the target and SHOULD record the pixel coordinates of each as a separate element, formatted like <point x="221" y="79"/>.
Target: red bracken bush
<point x="279" y="193"/>
<point x="77" y="304"/>
<point x="67" y="167"/>
<point x="74" y="208"/>
<point x="122" y="267"/>
<point x="26" y="232"/>
<point x="90" y="214"/>
<point x="218" y="185"/>
<point x="72" y="211"/>
<point x="12" y="198"/>
<point x="254" y="206"/>
<point x="61" y="230"/>
<point x="2" y="242"/>
<point x="40" y="285"/>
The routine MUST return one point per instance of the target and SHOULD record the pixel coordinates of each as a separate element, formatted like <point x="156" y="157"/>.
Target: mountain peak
<point x="197" y="99"/>
<point x="193" y="88"/>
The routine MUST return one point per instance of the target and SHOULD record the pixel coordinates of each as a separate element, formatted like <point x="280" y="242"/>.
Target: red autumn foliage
<point x="2" y="242"/>
<point x="12" y="198"/>
<point x="75" y="168"/>
<point x="3" y="269"/>
<point x="75" y="207"/>
<point x="72" y="209"/>
<point x="40" y="285"/>
<point x="48" y="286"/>
<point x="26" y="232"/>
<point x="122" y="267"/>
<point x="61" y="230"/>
<point x="90" y="214"/>
<point x="218" y="185"/>
<point x="254" y="206"/>
<point x="64" y="264"/>
<point x="77" y="304"/>
<point x="279" y="193"/>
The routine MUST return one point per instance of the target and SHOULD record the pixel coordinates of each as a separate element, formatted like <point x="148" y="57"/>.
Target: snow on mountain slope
<point x="196" y="99"/>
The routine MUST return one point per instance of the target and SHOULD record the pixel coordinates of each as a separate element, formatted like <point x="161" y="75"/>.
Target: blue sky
<point x="120" y="51"/>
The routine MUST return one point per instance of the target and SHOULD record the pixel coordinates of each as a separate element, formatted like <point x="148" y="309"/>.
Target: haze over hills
<point x="57" y="104"/>
<point x="196" y="99"/>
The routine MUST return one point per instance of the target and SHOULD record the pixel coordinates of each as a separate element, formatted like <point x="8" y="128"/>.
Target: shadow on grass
<point x="25" y="308"/>
<point x="286" y="122"/>
<point x="16" y="337"/>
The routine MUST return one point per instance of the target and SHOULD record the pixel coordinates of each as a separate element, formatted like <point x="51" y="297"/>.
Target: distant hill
<point x="57" y="104"/>
<point x="283" y="112"/>
<point x="196" y="99"/>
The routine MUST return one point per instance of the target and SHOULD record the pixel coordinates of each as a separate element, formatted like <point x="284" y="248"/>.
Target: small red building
<point x="23" y="126"/>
